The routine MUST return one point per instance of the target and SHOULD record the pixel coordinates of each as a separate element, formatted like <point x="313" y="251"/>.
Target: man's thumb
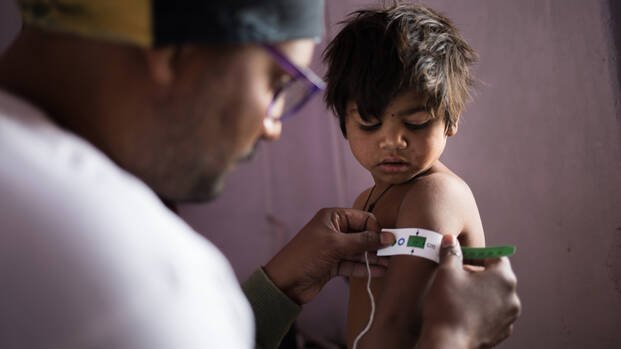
<point x="367" y="241"/>
<point x="450" y="253"/>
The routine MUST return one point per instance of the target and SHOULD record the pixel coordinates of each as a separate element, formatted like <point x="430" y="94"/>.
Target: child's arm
<point x="438" y="202"/>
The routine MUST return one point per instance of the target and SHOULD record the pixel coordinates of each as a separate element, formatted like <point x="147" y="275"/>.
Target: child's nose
<point x="393" y="139"/>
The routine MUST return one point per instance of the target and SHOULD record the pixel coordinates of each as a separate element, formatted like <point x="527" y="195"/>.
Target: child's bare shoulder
<point x="439" y="184"/>
<point x="439" y="200"/>
<point x="359" y="202"/>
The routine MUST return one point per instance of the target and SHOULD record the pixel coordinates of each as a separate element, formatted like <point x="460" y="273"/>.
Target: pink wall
<point x="540" y="147"/>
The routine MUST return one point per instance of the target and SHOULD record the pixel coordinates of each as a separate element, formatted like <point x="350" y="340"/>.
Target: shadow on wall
<point x="615" y="26"/>
<point x="615" y="29"/>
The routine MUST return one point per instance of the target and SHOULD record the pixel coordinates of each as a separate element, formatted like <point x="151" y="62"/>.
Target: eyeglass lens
<point x="290" y="98"/>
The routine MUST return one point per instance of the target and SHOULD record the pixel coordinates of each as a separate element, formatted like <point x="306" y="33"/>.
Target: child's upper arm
<point x="438" y="202"/>
<point x="442" y="203"/>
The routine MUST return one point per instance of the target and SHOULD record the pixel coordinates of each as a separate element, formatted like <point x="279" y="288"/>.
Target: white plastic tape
<point x="414" y="242"/>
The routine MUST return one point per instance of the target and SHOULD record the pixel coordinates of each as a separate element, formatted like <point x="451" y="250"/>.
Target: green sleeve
<point x="274" y="312"/>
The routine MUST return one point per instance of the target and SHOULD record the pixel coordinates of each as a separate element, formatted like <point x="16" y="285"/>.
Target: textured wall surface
<point x="540" y="147"/>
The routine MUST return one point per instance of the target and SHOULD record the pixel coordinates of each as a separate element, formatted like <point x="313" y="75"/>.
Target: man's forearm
<point x="274" y="312"/>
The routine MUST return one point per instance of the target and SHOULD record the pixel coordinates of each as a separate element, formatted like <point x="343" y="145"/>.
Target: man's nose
<point x="271" y="129"/>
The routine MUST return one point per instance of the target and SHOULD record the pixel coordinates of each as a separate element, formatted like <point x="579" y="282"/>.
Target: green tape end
<point x="487" y="252"/>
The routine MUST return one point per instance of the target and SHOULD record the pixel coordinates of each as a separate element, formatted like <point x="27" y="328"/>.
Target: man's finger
<point x="497" y="263"/>
<point x="374" y="259"/>
<point x="503" y="335"/>
<point x="359" y="270"/>
<point x="474" y="262"/>
<point x="450" y="253"/>
<point x="356" y="243"/>
<point x="473" y="268"/>
<point x="352" y="220"/>
<point x="502" y="266"/>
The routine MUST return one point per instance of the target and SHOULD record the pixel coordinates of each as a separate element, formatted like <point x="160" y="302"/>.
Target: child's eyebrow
<point x="409" y="111"/>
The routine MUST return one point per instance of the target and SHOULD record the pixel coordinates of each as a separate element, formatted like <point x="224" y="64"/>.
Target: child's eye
<point x="417" y="126"/>
<point x="369" y="128"/>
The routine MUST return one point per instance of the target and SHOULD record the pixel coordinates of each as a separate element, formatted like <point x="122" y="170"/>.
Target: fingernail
<point x="387" y="238"/>
<point x="448" y="240"/>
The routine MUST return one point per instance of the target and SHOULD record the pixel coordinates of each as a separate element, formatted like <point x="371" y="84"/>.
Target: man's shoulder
<point x="43" y="166"/>
<point x="56" y="187"/>
<point x="41" y="150"/>
<point x="87" y="249"/>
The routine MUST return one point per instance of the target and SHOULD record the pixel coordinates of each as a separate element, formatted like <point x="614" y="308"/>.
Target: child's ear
<point x="451" y="131"/>
<point x="161" y="64"/>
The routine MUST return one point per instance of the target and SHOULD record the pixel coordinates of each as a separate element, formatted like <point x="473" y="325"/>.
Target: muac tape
<point x="426" y="243"/>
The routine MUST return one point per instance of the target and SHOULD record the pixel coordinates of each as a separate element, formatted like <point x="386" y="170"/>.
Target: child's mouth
<point x="393" y="166"/>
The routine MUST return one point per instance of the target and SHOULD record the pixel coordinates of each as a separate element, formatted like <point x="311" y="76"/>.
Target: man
<point x="108" y="106"/>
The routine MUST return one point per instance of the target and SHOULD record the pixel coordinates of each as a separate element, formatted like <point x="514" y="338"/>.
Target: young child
<point x="398" y="79"/>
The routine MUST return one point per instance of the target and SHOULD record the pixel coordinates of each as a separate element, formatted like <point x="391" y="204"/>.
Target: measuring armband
<point x="426" y="243"/>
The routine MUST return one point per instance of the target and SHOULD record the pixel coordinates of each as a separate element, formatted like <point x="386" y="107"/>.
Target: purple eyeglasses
<point x="291" y="97"/>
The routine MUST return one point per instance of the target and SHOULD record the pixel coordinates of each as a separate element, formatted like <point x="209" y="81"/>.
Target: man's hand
<point x="332" y="243"/>
<point x="466" y="308"/>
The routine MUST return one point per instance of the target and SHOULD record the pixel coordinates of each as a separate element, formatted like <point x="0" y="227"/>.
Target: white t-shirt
<point x="90" y="257"/>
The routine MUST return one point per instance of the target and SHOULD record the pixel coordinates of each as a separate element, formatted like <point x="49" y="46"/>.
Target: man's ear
<point x="453" y="129"/>
<point x="161" y="64"/>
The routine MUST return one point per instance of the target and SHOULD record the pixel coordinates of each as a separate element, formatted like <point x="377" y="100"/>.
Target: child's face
<point x="405" y="142"/>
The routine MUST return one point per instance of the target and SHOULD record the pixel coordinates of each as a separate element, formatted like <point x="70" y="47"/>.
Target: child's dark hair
<point x="380" y="53"/>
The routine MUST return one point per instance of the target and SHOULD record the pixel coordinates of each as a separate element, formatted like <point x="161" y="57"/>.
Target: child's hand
<point x="332" y="243"/>
<point x="469" y="309"/>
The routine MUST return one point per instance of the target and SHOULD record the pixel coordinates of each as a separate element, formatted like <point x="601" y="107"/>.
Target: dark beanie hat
<point x="165" y="22"/>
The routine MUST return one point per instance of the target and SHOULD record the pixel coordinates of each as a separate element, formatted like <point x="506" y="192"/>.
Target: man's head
<point x="176" y="98"/>
<point x="205" y="110"/>
<point x="379" y="54"/>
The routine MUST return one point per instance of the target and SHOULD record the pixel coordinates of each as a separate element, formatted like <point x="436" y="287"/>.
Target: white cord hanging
<point x="371" y="298"/>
